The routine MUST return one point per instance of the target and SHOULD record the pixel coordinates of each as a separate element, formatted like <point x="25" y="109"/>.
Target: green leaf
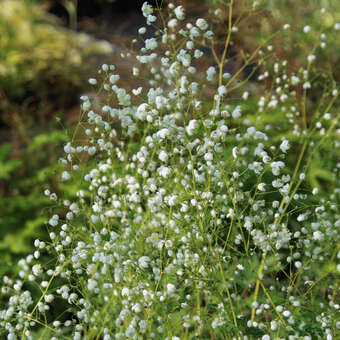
<point x="316" y="174"/>
<point x="4" y="150"/>
<point x="45" y="139"/>
<point x="7" y="167"/>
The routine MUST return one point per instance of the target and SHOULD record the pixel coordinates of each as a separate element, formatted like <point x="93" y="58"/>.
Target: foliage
<point x="6" y="167"/>
<point x="22" y="204"/>
<point x="42" y="70"/>
<point x="39" y="59"/>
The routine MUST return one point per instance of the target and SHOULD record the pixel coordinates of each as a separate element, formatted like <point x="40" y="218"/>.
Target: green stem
<point x="257" y="286"/>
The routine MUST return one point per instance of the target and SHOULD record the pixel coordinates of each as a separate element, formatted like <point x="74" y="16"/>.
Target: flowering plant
<point x="194" y="218"/>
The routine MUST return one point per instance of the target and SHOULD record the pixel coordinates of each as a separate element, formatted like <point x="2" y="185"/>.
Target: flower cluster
<point x="194" y="218"/>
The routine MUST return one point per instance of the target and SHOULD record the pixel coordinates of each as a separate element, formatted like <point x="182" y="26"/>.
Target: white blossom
<point x="284" y="146"/>
<point x="179" y="12"/>
<point x="201" y="24"/>
<point x="211" y="72"/>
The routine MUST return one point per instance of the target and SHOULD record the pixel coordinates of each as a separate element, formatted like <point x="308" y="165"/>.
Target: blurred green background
<point x="48" y="50"/>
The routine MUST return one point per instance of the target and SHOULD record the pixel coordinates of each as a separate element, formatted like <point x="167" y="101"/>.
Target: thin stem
<point x="227" y="41"/>
<point x="272" y="303"/>
<point x="257" y="286"/>
<point x="228" y="294"/>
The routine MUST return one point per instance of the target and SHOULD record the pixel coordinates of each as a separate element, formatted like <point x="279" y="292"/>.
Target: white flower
<point x="125" y="291"/>
<point x="245" y="95"/>
<point x="295" y="80"/>
<point x="311" y="58"/>
<point x="68" y="148"/>
<point x="162" y="134"/>
<point x="222" y="90"/>
<point x="86" y="105"/>
<point x="74" y="208"/>
<point x="130" y="333"/>
<point x="240" y="267"/>
<point x="146" y="9"/>
<point x="172" y="23"/>
<point x="306" y="85"/>
<point x="138" y="91"/>
<point x="302" y="217"/>
<point x="298" y="264"/>
<point x="163" y="156"/>
<point x="143" y="262"/>
<point x="172" y="200"/>
<point x="92" y="81"/>
<point x="135" y="71"/>
<point x="65" y="176"/>
<point x="142" y="111"/>
<point x="179" y="12"/>
<point x="137" y="308"/>
<point x="318" y="236"/>
<point x="273" y="103"/>
<point x="208" y="156"/>
<point x="198" y="54"/>
<point x="234" y="152"/>
<point x="201" y="24"/>
<point x="191" y="127"/>
<point x="209" y="34"/>
<point x="151" y="44"/>
<point x="114" y="78"/>
<point x="164" y="171"/>
<point x="150" y="19"/>
<point x="49" y="298"/>
<point x="276" y="166"/>
<point x="142" y="30"/>
<point x="285" y="145"/>
<point x="211" y="72"/>
<point x="170" y="288"/>
<point x="189" y="45"/>
<point x="91" y="150"/>
<point x="307" y="29"/>
<point x="236" y="112"/>
<point x="37" y="269"/>
<point x="283" y="97"/>
<point x="261" y="186"/>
